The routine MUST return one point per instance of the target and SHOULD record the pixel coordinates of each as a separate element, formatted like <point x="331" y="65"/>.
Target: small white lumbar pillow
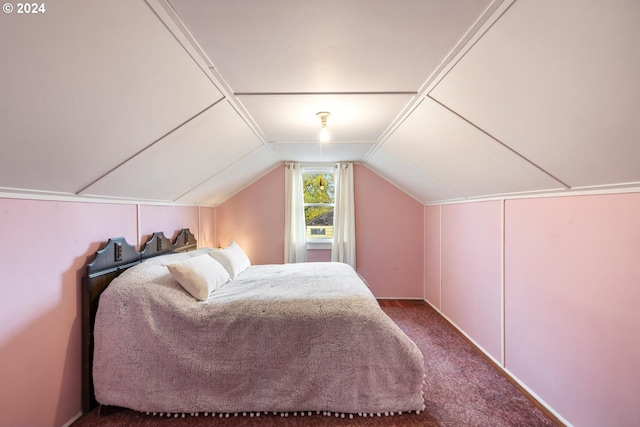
<point x="233" y="258"/>
<point x="199" y="275"/>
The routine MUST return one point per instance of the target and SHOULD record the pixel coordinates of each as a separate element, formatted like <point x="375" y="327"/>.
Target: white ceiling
<point x="190" y="101"/>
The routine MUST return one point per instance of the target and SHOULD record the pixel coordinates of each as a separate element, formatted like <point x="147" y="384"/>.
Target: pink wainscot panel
<point x="472" y="271"/>
<point x="432" y="255"/>
<point x="45" y="246"/>
<point x="572" y="276"/>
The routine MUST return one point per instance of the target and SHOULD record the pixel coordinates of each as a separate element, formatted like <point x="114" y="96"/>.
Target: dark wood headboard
<point x="114" y="258"/>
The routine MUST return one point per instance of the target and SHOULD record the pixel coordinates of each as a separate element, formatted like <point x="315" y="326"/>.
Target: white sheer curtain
<point x="344" y="219"/>
<point x="295" y="232"/>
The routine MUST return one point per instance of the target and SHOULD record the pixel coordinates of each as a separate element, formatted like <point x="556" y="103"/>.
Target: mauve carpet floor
<point x="462" y="389"/>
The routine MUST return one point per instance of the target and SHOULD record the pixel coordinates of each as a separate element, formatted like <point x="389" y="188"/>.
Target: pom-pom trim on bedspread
<point x="287" y="414"/>
<point x="282" y="414"/>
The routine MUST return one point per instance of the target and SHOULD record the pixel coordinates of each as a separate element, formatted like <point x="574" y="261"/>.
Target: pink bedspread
<point x="293" y="337"/>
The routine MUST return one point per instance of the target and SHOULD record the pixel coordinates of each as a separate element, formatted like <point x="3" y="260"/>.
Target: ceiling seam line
<point x="241" y="111"/>
<point x="532" y="163"/>
<point x="211" y="72"/>
<point x="324" y="93"/>
<point x="397" y="122"/>
<point x="128" y="159"/>
<point x="415" y="197"/>
<point x="443" y="70"/>
<point x="249" y="183"/>
<point x="239" y="159"/>
<point x="221" y="84"/>
<point x="207" y="76"/>
<point x="454" y="62"/>
<point x="442" y="181"/>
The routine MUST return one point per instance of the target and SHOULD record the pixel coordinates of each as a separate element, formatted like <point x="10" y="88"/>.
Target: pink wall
<point x="572" y="274"/>
<point x="389" y="237"/>
<point x="40" y="307"/>
<point x="432" y="255"/>
<point x="319" y="255"/>
<point x="472" y="271"/>
<point x="569" y="312"/>
<point x="45" y="247"/>
<point x="254" y="218"/>
<point x="168" y="219"/>
<point x="389" y="230"/>
<point x="207" y="237"/>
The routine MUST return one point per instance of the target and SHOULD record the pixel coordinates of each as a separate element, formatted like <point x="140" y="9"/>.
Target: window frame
<point x="319" y="242"/>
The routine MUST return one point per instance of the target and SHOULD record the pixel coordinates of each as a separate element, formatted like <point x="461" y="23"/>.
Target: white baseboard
<point x="499" y="365"/>
<point x="72" y="420"/>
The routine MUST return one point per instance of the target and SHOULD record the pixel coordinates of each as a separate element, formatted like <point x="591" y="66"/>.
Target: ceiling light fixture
<point x="324" y="132"/>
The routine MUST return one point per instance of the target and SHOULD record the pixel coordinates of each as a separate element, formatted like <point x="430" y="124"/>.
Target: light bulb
<point x="324" y="132"/>
<point x="324" y="135"/>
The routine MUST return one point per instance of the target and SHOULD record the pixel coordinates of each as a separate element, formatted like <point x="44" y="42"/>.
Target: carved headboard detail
<point x="114" y="258"/>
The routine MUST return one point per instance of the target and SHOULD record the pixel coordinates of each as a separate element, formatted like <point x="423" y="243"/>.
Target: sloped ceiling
<point x="189" y="101"/>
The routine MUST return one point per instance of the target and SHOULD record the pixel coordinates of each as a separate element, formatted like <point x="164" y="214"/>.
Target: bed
<point x="290" y="338"/>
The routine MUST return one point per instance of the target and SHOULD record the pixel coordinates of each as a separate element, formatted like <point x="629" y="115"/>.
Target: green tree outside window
<point x="319" y="202"/>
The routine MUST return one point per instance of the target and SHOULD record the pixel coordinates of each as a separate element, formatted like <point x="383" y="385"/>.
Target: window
<point x="319" y="202"/>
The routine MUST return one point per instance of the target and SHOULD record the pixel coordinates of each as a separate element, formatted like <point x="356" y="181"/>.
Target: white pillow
<point x="232" y="258"/>
<point x="199" y="275"/>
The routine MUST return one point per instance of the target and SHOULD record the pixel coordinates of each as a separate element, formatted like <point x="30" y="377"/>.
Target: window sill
<point x="319" y="244"/>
